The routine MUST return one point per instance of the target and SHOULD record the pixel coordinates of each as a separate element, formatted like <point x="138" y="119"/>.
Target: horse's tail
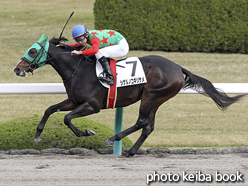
<point x="205" y="87"/>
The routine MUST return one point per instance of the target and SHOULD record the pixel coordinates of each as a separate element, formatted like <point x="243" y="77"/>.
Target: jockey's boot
<point x="106" y="76"/>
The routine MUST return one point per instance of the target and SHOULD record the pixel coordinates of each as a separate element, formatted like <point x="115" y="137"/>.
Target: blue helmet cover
<point x="78" y="31"/>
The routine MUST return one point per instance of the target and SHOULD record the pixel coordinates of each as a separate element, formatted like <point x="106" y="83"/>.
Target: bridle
<point x="36" y="63"/>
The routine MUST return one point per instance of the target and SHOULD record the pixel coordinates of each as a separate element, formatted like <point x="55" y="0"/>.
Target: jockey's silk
<point x="107" y="37"/>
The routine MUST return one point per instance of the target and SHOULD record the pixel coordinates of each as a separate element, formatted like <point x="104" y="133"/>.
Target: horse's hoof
<point x="127" y="154"/>
<point x="108" y="143"/>
<point x="90" y="132"/>
<point x="37" y="140"/>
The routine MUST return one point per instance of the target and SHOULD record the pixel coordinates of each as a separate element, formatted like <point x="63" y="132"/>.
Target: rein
<point x="72" y="75"/>
<point x="88" y="60"/>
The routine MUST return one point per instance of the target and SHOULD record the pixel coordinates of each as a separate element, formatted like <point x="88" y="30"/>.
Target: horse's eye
<point x="32" y="52"/>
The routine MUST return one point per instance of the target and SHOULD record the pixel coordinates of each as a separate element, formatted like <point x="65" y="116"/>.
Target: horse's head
<point x="34" y="58"/>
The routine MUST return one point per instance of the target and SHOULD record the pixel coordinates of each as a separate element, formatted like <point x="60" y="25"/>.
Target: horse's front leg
<point x="84" y="109"/>
<point x="66" y="105"/>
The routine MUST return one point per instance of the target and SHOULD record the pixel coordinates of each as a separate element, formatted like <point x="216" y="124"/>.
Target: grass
<point x="19" y="133"/>
<point x="184" y="121"/>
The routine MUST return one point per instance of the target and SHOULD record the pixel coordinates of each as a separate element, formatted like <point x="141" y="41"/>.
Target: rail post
<point x="117" y="150"/>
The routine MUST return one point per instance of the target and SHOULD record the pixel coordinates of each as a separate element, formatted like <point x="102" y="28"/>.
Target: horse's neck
<point x="68" y="66"/>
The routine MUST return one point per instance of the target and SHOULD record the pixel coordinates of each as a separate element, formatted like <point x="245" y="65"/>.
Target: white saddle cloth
<point x="129" y="72"/>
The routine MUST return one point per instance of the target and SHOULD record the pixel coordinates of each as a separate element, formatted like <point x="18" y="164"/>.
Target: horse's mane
<point x="56" y="41"/>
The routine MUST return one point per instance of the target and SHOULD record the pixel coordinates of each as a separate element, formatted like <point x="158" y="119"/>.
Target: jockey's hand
<point x="75" y="52"/>
<point x="61" y="45"/>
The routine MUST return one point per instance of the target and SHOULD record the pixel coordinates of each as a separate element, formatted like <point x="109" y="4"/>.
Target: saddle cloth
<point x="126" y="72"/>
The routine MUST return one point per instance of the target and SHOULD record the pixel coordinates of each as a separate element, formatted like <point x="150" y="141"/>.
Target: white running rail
<point x="58" y="88"/>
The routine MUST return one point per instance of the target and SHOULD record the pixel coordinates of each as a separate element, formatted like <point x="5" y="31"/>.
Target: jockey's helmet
<point x="78" y="31"/>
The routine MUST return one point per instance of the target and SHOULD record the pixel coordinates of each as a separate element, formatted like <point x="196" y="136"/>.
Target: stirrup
<point x="102" y="75"/>
<point x="105" y="78"/>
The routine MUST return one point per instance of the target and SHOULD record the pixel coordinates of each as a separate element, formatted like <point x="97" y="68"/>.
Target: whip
<point x="65" y="25"/>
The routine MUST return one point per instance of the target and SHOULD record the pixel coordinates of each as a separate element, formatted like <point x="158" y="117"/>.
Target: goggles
<point x="79" y="38"/>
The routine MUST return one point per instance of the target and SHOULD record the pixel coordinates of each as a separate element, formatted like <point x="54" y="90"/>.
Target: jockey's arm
<point x="95" y="42"/>
<point x="76" y="45"/>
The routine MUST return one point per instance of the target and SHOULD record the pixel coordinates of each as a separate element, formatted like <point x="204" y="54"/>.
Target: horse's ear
<point x="43" y="40"/>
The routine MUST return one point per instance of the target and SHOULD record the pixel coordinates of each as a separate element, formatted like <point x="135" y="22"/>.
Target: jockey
<point x="105" y="44"/>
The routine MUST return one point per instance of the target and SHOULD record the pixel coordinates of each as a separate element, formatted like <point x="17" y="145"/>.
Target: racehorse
<point x="86" y="95"/>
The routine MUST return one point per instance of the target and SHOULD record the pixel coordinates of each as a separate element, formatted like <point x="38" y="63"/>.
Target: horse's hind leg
<point x="63" y="106"/>
<point x="142" y="122"/>
<point x="145" y="133"/>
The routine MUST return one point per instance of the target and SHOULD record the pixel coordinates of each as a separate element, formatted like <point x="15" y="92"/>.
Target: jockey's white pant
<point x="119" y="50"/>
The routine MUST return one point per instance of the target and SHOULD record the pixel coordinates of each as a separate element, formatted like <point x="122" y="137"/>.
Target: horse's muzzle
<point x="20" y="72"/>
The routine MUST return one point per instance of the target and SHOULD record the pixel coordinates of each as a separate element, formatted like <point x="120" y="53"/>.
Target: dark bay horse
<point x="86" y="95"/>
